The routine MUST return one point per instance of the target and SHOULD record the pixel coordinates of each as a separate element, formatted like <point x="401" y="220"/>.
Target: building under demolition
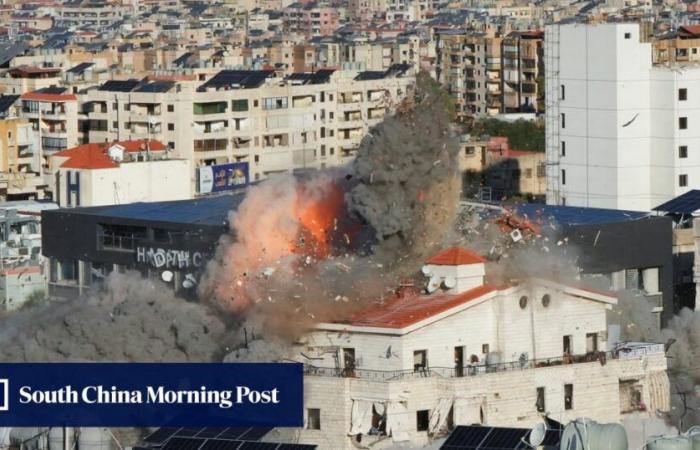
<point x="411" y="368"/>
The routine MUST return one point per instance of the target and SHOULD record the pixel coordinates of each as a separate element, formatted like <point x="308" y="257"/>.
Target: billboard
<point x="223" y="177"/>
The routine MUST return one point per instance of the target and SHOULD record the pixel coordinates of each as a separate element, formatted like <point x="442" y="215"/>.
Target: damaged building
<point x="411" y="368"/>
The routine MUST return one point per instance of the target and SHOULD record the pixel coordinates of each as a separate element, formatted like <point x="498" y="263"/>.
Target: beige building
<point x="301" y="122"/>
<point x="19" y="161"/>
<point x="488" y="75"/>
<point x="409" y="369"/>
<point x="118" y="173"/>
<point x="492" y="170"/>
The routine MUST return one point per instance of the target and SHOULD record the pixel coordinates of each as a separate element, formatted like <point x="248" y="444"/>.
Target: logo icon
<point x="4" y="394"/>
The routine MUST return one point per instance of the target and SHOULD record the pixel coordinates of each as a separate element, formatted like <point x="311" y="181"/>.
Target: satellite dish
<point x="433" y="284"/>
<point x="449" y="282"/>
<point x="167" y="276"/>
<point x="537" y="434"/>
<point x="426" y="271"/>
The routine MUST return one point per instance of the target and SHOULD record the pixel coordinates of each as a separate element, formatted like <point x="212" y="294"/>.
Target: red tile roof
<point x="94" y="156"/>
<point x="406" y="311"/>
<point x="455" y="256"/>
<point x="42" y="97"/>
<point x="22" y="70"/>
<point x="690" y="29"/>
<point x="87" y="156"/>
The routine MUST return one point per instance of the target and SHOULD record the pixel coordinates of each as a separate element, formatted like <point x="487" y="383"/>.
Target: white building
<point x="413" y="367"/>
<point x="119" y="173"/>
<point x="621" y="133"/>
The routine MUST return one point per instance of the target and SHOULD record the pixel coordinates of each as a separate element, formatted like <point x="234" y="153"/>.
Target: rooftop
<point x="94" y="156"/>
<point x="574" y="215"/>
<point x="210" y="210"/>
<point x="455" y="256"/>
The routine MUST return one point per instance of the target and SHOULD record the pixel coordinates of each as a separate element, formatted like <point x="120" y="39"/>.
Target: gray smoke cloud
<point x="131" y="319"/>
<point x="319" y="249"/>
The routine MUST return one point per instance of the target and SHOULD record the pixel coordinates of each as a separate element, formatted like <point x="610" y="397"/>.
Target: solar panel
<point x="161" y="435"/>
<point x="156" y="86"/>
<point x="229" y="79"/>
<point x="466" y="437"/>
<point x="183" y="443"/>
<point x="258" y="446"/>
<point x="504" y="439"/>
<point x="119" y="85"/>
<point x="687" y="203"/>
<point x="296" y="447"/>
<point x="233" y="432"/>
<point x="210" y="432"/>
<point x="254" y="434"/>
<point x="220" y="444"/>
<point x="188" y="432"/>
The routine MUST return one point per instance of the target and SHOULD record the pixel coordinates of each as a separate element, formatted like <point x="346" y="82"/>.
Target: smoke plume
<point x="132" y="319"/>
<point x="304" y="251"/>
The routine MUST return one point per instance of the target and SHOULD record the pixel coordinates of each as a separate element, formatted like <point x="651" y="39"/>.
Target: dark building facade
<point x="171" y="241"/>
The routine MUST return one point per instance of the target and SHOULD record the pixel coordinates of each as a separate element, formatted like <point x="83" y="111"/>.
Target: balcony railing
<point x="481" y="369"/>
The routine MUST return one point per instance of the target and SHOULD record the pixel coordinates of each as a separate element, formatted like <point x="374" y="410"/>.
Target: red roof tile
<point x="405" y="311"/>
<point x="94" y="156"/>
<point x="455" y="256"/>
<point x="41" y="97"/>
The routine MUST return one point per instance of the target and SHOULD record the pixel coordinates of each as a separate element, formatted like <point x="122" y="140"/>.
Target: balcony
<point x="622" y="353"/>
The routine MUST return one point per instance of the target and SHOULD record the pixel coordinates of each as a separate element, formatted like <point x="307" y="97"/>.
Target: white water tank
<point x="670" y="443"/>
<point x="586" y="434"/>
<point x="57" y="439"/>
<point x="94" y="439"/>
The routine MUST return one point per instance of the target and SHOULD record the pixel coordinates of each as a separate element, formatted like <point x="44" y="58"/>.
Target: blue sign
<point x="151" y="395"/>
<point x="223" y="177"/>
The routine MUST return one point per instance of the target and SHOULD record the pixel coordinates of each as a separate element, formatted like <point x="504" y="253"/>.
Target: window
<point x="591" y="342"/>
<point x="422" y="420"/>
<point x="683" y="180"/>
<point x="566" y="341"/>
<point x="563" y="148"/>
<point x="171" y="145"/>
<point x="523" y="302"/>
<point x="275" y="103"/>
<point x="485" y="349"/>
<point x="420" y="359"/>
<point x="256" y="158"/>
<point x="563" y="120"/>
<point x="171" y="108"/>
<point x="171" y="127"/>
<point x="683" y="151"/>
<point x="682" y="123"/>
<point x="239" y="105"/>
<point x="563" y="92"/>
<point x="568" y="396"/>
<point x="546" y="300"/>
<point x="470" y="150"/>
<point x="682" y="94"/>
<point x="115" y="124"/>
<point x="255" y="103"/>
<point x="540" y="403"/>
<point x="313" y="419"/>
<point x="628" y="35"/>
<point x="563" y="176"/>
<point x="115" y="106"/>
<point x="127" y="107"/>
<point x="209" y="108"/>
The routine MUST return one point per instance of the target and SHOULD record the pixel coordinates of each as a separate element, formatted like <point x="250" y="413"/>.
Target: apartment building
<point x="621" y="131"/>
<point x="492" y="170"/>
<point x="411" y="368"/>
<point x="22" y="79"/>
<point x="303" y="121"/>
<point x="310" y="20"/>
<point x="487" y="74"/>
<point x="90" y="14"/>
<point x="20" y="177"/>
<point x="523" y="72"/>
<point x="53" y="113"/>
